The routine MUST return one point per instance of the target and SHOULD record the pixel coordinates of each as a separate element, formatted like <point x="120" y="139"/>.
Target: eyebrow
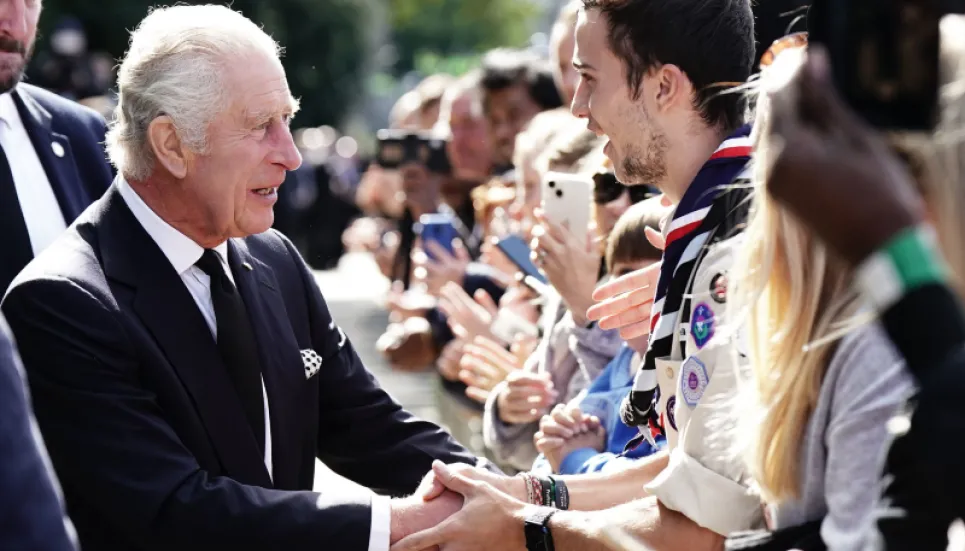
<point x="582" y="66"/>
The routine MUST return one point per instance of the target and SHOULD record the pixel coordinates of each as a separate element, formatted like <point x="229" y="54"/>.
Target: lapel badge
<point x="718" y="288"/>
<point x="247" y="266"/>
<point x="58" y="149"/>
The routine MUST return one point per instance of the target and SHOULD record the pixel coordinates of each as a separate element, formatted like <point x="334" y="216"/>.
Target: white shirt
<point x="41" y="211"/>
<point x="183" y="253"/>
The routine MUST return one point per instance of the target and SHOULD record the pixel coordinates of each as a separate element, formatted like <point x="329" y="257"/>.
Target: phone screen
<point x="518" y="253"/>
<point x="438" y="228"/>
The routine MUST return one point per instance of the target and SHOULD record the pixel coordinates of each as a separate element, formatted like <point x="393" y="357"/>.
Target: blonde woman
<point x="820" y="385"/>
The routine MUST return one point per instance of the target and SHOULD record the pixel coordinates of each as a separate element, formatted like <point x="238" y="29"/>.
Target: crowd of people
<point x="677" y="293"/>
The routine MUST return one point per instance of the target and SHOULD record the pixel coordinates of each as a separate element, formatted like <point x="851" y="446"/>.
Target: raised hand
<point x="525" y="398"/>
<point x="570" y="266"/>
<point x="468" y="317"/>
<point x="565" y="430"/>
<point x="445" y="268"/>
<point x="485" y="364"/>
<point x="625" y="302"/>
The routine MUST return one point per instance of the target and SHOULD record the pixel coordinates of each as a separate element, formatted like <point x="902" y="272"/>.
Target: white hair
<point x="175" y="67"/>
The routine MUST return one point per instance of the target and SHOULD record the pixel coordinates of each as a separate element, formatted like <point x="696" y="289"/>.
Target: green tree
<point x="447" y="27"/>
<point x="325" y="43"/>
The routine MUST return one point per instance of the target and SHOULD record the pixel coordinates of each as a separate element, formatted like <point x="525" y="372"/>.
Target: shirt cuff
<point x="708" y="498"/>
<point x="379" y="533"/>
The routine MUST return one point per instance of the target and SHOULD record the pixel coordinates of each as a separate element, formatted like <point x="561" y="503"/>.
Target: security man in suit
<point x="52" y="161"/>
<point x="185" y="368"/>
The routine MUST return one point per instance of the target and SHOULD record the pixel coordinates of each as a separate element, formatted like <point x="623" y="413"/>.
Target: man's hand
<point x="833" y="171"/>
<point x="525" y="398"/>
<point x="414" y="514"/>
<point x="625" y="302"/>
<point x="570" y="266"/>
<point x="513" y="486"/>
<point x="449" y="359"/>
<point x="445" y="268"/>
<point x="485" y="364"/>
<point x="565" y="430"/>
<point x="468" y="317"/>
<point x="488" y="518"/>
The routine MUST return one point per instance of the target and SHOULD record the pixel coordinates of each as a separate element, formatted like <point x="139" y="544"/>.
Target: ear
<point x="169" y="150"/>
<point x="672" y="86"/>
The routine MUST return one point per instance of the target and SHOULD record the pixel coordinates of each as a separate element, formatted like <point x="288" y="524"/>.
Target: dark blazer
<point x="141" y="420"/>
<point x="33" y="516"/>
<point x="81" y="175"/>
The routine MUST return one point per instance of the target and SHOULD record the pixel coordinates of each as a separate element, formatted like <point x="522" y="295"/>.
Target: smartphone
<point x="566" y="202"/>
<point x="884" y="56"/>
<point x="399" y="147"/>
<point x="518" y="251"/>
<point x="438" y="228"/>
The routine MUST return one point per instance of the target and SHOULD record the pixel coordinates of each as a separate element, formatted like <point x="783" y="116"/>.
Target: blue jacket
<point x="603" y="399"/>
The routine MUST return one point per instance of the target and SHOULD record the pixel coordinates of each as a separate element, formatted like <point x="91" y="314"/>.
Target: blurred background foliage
<point x="348" y="56"/>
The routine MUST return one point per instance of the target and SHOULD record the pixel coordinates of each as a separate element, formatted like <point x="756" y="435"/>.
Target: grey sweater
<point x="845" y="441"/>
<point x="574" y="357"/>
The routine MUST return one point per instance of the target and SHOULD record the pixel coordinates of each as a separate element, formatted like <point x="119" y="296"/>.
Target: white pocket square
<point x="312" y="362"/>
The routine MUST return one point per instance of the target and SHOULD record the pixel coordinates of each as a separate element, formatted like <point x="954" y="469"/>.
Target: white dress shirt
<point x="38" y="204"/>
<point x="183" y="253"/>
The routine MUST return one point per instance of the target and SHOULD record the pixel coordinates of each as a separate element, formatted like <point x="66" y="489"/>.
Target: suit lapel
<point x="168" y="310"/>
<point x="280" y="357"/>
<point x="55" y="154"/>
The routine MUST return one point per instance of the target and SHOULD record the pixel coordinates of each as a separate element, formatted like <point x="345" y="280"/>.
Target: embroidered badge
<point x="693" y="381"/>
<point x="702" y="325"/>
<point x="671" y="408"/>
<point x="718" y="288"/>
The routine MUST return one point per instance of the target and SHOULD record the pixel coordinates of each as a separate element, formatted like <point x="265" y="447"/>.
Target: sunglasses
<point x="607" y="189"/>
<point x="789" y="42"/>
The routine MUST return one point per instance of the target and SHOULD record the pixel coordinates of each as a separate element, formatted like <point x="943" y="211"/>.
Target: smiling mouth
<point x="266" y="191"/>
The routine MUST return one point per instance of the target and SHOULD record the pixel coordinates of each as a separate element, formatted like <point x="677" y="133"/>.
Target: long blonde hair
<point x="787" y="293"/>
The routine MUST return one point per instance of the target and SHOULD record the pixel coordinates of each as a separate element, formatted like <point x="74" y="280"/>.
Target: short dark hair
<point x="712" y="41"/>
<point x="505" y="67"/>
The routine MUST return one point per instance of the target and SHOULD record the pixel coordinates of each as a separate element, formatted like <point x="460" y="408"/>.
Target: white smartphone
<point x="566" y="202"/>
<point x="508" y="325"/>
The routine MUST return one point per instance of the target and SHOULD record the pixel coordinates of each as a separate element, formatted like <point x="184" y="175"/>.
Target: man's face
<point x="235" y="185"/>
<point x="468" y="147"/>
<point x="508" y="111"/>
<point x="564" y="72"/>
<point x="18" y="30"/>
<point x="637" y="144"/>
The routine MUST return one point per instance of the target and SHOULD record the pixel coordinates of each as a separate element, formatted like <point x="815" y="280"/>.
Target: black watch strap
<point x="537" y="530"/>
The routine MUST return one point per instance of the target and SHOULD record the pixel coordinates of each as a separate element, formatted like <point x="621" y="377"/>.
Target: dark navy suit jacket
<point x="82" y="174"/>
<point x="147" y="434"/>
<point x="33" y="516"/>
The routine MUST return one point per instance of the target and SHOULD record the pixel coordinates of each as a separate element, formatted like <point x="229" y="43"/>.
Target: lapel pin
<point x="247" y="266"/>
<point x="58" y="149"/>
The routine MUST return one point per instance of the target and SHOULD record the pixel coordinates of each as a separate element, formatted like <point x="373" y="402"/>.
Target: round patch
<point x="718" y="288"/>
<point x="693" y="381"/>
<point x="671" y="408"/>
<point x="702" y="324"/>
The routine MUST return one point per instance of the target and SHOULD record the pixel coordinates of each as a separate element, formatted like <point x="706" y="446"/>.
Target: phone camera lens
<point x="552" y="184"/>
<point x="559" y="193"/>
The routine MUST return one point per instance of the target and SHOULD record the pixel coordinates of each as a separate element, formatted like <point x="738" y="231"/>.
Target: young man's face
<point x="637" y="145"/>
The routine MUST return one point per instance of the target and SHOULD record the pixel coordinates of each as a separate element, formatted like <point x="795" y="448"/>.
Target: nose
<point x="287" y="154"/>
<point x="13" y="19"/>
<point x="580" y="106"/>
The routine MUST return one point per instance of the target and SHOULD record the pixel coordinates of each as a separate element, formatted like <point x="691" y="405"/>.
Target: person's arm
<point x="33" y="514"/>
<point x="114" y="449"/>
<point x="364" y="435"/>
<point x="598" y="491"/>
<point x="645" y="520"/>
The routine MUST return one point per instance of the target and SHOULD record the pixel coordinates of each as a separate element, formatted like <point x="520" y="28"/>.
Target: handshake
<point x="461" y="508"/>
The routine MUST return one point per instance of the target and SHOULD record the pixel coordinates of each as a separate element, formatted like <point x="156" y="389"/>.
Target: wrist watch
<point x="537" y="530"/>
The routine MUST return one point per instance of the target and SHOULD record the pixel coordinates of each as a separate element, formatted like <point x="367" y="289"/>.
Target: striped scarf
<point x="704" y="207"/>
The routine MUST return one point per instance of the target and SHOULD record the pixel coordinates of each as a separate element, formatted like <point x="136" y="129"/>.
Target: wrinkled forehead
<point x="258" y="87"/>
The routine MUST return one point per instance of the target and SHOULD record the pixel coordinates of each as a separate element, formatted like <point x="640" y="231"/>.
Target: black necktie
<point x="236" y="342"/>
<point x="15" y="251"/>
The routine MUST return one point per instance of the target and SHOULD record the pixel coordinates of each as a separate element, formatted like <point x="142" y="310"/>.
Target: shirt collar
<point x="180" y="250"/>
<point x="8" y="110"/>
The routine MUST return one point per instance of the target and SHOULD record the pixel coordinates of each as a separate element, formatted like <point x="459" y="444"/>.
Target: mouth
<point x="265" y="193"/>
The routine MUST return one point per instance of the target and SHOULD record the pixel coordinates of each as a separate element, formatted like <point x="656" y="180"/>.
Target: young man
<point x="653" y="89"/>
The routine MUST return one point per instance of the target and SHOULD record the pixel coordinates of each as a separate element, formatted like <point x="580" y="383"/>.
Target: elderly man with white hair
<point x="185" y="369"/>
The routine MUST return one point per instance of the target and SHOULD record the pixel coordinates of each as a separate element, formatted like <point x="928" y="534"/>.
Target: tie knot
<point x="210" y="264"/>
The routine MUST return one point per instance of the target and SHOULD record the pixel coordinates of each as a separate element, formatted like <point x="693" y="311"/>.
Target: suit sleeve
<point x="118" y="457"/>
<point x="364" y="435"/>
<point x="29" y="500"/>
